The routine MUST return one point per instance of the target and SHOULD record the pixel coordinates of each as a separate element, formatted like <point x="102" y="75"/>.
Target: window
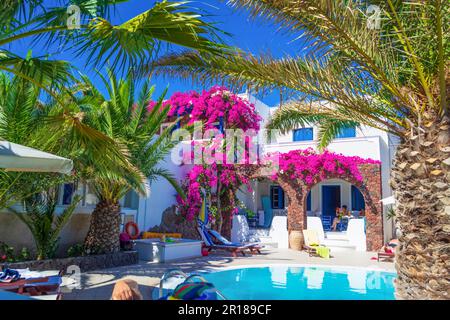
<point x="303" y="134"/>
<point x="308" y="202"/>
<point x="68" y="192"/>
<point x="131" y="200"/>
<point x="277" y="197"/>
<point x="349" y="132"/>
<point x="357" y="200"/>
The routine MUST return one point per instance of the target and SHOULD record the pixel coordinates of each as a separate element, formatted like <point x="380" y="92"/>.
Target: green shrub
<point x="76" y="250"/>
<point x="7" y="254"/>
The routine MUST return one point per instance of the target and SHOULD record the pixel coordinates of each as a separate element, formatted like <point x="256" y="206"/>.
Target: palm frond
<point x="48" y="75"/>
<point x="158" y="172"/>
<point x="338" y="82"/>
<point x="137" y="40"/>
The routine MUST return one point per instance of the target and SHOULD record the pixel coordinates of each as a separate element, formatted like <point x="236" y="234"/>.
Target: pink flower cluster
<point x="203" y="179"/>
<point x="310" y="166"/>
<point x="211" y="106"/>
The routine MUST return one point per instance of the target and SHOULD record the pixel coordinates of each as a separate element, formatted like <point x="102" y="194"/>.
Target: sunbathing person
<point x="126" y="290"/>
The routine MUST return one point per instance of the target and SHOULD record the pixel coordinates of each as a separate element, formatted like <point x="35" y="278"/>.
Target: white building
<point x="365" y="142"/>
<point x="147" y="212"/>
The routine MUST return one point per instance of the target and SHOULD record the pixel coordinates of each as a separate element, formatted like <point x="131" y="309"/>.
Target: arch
<point x="297" y="190"/>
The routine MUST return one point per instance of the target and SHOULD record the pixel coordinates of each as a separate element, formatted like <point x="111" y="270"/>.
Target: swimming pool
<point x="303" y="283"/>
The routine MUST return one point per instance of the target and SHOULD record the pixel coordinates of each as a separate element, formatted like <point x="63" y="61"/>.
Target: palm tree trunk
<point x="421" y="184"/>
<point x="104" y="229"/>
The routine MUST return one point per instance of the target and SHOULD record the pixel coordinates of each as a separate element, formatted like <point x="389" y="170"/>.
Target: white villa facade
<point x="365" y="142"/>
<point x="147" y="212"/>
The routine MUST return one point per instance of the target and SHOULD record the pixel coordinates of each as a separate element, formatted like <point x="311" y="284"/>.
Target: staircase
<point x="338" y="241"/>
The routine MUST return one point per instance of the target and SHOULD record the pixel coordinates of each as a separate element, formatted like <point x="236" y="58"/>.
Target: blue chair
<point x="326" y="223"/>
<point x="342" y="225"/>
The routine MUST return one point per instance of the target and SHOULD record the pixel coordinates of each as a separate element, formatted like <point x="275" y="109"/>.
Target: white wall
<point x="162" y="196"/>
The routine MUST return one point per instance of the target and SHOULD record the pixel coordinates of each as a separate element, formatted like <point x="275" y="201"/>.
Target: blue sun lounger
<point x="208" y="234"/>
<point x="224" y="244"/>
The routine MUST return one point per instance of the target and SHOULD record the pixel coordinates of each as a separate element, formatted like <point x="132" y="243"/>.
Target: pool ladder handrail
<point x="187" y="278"/>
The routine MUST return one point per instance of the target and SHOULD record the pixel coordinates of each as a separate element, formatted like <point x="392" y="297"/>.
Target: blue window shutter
<point x="308" y="202"/>
<point x="303" y="134"/>
<point x="357" y="199"/>
<point x="221" y="124"/>
<point x="272" y="204"/>
<point x="68" y="191"/>
<point x="281" y="193"/>
<point x="349" y="132"/>
<point x="276" y="197"/>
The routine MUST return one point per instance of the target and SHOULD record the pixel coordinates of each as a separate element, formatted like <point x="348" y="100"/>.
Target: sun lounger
<point x="385" y="255"/>
<point x="388" y="252"/>
<point x="34" y="287"/>
<point x="254" y="247"/>
<point x="224" y="244"/>
<point x="313" y="246"/>
<point x="234" y="248"/>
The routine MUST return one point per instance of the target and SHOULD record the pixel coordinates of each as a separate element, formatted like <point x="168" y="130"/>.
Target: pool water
<point x="303" y="283"/>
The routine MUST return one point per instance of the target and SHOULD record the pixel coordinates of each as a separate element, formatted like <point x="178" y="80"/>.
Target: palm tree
<point x="125" y="45"/>
<point x="125" y="119"/>
<point x="25" y="119"/>
<point x="391" y="74"/>
<point x="43" y="222"/>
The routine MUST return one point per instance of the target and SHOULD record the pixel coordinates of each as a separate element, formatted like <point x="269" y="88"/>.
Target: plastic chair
<point x="326" y="222"/>
<point x="342" y="225"/>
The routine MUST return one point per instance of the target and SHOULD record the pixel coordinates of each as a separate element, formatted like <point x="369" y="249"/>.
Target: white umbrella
<point x="15" y="157"/>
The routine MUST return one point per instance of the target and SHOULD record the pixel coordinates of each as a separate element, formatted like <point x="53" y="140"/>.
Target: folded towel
<point x="323" y="252"/>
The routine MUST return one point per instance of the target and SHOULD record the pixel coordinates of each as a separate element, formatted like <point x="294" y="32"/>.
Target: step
<point x="268" y="242"/>
<point x="336" y="235"/>
<point x="342" y="249"/>
<point x="337" y="243"/>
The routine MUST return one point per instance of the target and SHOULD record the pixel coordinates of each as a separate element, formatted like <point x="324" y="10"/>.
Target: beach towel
<point x="192" y="291"/>
<point x="9" y="275"/>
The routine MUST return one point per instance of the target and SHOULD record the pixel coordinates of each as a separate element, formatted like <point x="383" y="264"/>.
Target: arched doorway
<point x="297" y="191"/>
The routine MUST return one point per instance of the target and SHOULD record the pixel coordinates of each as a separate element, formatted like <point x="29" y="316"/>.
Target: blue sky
<point x="256" y="36"/>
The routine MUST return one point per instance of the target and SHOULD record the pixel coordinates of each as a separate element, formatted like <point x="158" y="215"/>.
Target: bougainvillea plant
<point x="212" y="107"/>
<point x="311" y="167"/>
<point x="202" y="181"/>
<point x="217" y="104"/>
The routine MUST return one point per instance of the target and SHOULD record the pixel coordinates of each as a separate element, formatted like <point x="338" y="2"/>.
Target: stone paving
<point x="98" y="285"/>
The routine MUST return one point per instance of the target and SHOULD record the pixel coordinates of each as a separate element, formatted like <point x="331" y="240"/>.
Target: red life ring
<point x="135" y="228"/>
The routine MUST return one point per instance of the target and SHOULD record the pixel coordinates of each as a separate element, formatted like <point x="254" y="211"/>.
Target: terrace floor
<point x="98" y="285"/>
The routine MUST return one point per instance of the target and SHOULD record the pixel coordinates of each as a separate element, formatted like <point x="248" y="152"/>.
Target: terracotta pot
<point x="296" y="240"/>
